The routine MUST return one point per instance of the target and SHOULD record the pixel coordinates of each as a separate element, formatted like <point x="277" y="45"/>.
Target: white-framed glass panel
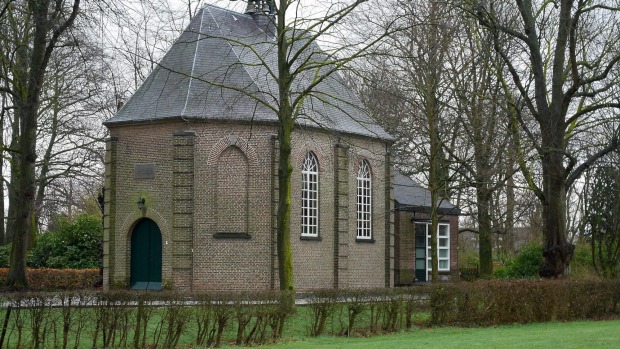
<point x="443" y="247"/>
<point x="310" y="196"/>
<point x="364" y="201"/>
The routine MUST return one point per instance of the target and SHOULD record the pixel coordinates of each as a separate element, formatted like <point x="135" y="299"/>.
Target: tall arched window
<point x="364" y="201"/>
<point x="310" y="197"/>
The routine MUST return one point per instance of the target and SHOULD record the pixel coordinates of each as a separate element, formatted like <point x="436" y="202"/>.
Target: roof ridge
<point x="234" y="51"/>
<point x="191" y="76"/>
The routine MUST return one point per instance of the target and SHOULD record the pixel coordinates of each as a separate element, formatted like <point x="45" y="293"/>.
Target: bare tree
<point x="482" y="157"/>
<point x="564" y="71"/>
<point x="70" y="137"/>
<point x="39" y="27"/>
<point x="407" y="89"/>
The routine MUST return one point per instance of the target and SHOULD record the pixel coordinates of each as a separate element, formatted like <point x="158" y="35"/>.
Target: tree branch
<point x="613" y="145"/>
<point x="59" y="31"/>
<point x="6" y="7"/>
<point x="590" y="109"/>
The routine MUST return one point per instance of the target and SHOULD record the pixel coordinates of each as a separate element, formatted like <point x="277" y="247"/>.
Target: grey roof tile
<point x="222" y="67"/>
<point x="411" y="195"/>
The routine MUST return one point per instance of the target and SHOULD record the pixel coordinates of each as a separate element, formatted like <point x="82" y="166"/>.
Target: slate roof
<point x="410" y="196"/>
<point x="219" y="67"/>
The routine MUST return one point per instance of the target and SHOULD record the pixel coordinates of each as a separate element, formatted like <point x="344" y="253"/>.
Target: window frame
<point x="310" y="196"/>
<point x="363" y="199"/>
<point x="446" y="238"/>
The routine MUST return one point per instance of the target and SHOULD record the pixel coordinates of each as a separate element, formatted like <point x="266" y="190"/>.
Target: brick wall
<point x="212" y="197"/>
<point x="144" y="144"/>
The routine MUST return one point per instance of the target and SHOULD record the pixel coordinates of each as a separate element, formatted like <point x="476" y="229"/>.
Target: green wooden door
<point x="146" y="256"/>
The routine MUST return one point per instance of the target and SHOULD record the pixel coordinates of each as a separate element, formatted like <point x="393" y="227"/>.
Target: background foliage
<point x="524" y="266"/>
<point x="73" y="244"/>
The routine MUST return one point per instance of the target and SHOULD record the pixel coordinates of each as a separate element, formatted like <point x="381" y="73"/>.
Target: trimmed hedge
<point x="58" y="279"/>
<point x="125" y="319"/>
<point x="484" y="303"/>
<point x="184" y="320"/>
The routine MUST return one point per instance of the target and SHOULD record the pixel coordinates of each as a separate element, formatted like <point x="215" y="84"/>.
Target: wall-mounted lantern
<point x="140" y="203"/>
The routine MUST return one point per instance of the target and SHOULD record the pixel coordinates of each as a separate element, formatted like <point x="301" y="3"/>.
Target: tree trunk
<point x="557" y="250"/>
<point x="509" y="244"/>
<point x="27" y="111"/>
<point x="3" y="238"/>
<point x="285" y="256"/>
<point x="434" y="180"/>
<point x="29" y="78"/>
<point x="47" y="157"/>
<point x="485" y="249"/>
<point x="12" y="184"/>
<point x="24" y="217"/>
<point x="285" y="129"/>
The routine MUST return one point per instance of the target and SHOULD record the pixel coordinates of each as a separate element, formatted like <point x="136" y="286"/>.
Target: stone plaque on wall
<point x="144" y="171"/>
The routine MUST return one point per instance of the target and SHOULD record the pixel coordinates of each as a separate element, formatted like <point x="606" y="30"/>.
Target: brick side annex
<point x="191" y="173"/>
<point x="412" y="227"/>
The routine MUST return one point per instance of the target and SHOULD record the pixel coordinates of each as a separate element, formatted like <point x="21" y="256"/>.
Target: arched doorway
<point x="146" y="256"/>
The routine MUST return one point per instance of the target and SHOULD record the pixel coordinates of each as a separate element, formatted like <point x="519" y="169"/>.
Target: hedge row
<point x="123" y="319"/>
<point x="484" y="303"/>
<point x="184" y="320"/>
<point x="58" y="279"/>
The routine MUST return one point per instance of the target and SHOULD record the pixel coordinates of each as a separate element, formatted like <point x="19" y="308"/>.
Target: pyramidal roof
<point x="223" y="67"/>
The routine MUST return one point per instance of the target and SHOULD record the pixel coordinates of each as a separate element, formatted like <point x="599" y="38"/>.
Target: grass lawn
<point x="582" y="334"/>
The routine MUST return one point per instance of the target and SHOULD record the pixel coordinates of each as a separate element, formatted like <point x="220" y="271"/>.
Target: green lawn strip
<point x="581" y="334"/>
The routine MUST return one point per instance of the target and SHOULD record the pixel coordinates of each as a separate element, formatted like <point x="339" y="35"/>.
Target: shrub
<point x="581" y="266"/>
<point x="322" y="306"/>
<point x="75" y="244"/>
<point x="53" y="279"/>
<point x="494" y="302"/>
<point x="524" y="266"/>
<point x="5" y="255"/>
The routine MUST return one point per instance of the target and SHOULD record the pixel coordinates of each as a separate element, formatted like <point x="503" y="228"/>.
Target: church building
<point x="191" y="172"/>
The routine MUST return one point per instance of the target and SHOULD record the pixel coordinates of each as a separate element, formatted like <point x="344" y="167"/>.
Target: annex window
<point x="443" y="247"/>
<point x="364" y="201"/>
<point x="310" y="197"/>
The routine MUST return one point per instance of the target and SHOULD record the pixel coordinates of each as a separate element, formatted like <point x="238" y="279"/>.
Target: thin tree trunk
<point x="285" y="129"/>
<point x="435" y="184"/>
<point x="3" y="237"/>
<point x="285" y="258"/>
<point x="484" y="233"/>
<point x="510" y="215"/>
<point x="45" y="162"/>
